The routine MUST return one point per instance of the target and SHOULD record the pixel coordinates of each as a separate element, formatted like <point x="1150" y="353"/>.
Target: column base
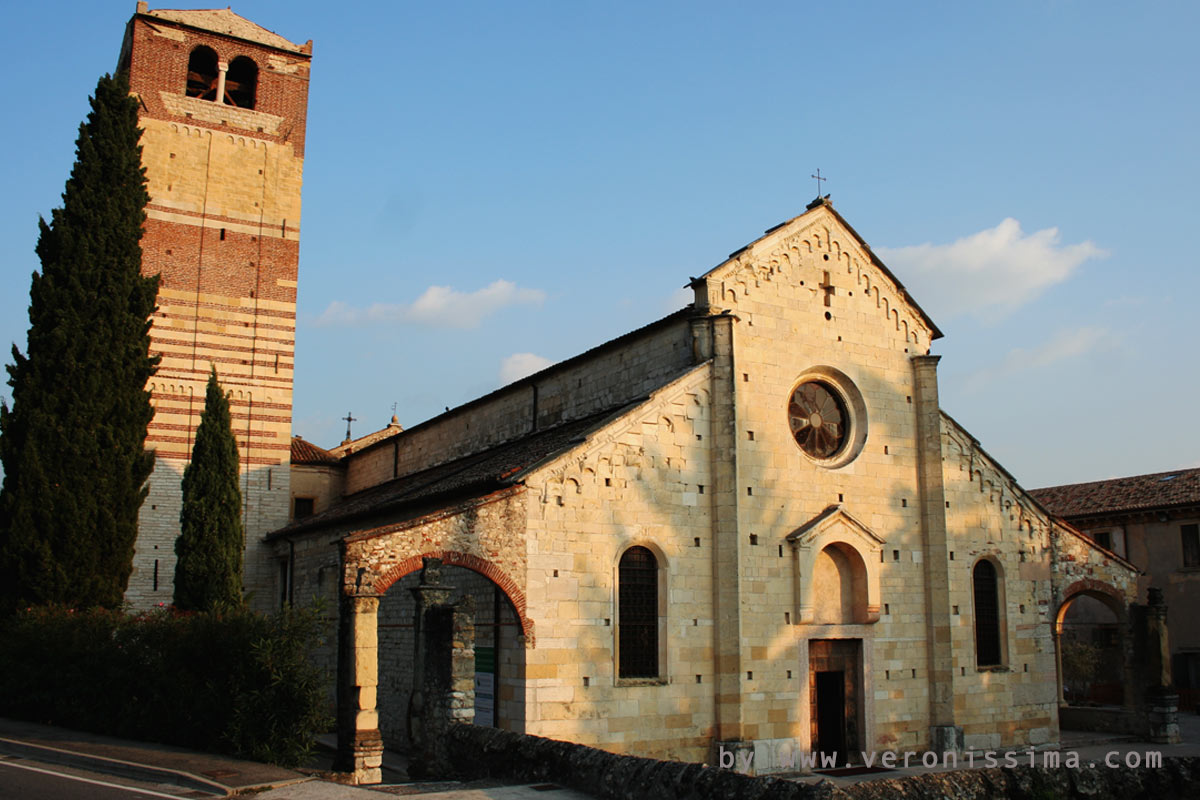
<point x="1162" y="716"/>
<point x="362" y="757"/>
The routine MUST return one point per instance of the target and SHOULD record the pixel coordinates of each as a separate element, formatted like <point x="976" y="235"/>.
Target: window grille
<point x="638" y="620"/>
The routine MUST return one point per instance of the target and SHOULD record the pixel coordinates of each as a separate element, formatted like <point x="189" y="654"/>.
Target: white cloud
<point x="993" y="271"/>
<point x="438" y="306"/>
<point x="1064" y="346"/>
<point x="521" y="365"/>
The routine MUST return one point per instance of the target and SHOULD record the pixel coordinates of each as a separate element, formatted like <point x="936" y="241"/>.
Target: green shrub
<point x="235" y="682"/>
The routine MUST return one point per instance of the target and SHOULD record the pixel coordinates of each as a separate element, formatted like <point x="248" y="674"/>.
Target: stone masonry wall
<point x="642" y="481"/>
<point x="990" y="516"/>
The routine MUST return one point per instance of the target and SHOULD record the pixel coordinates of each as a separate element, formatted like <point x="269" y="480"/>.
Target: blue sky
<point x="494" y="186"/>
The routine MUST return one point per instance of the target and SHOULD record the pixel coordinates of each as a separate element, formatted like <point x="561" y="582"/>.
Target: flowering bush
<point x="235" y="682"/>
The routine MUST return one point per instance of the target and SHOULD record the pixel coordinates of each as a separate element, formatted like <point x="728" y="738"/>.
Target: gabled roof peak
<point x="224" y="21"/>
<point x="819" y="208"/>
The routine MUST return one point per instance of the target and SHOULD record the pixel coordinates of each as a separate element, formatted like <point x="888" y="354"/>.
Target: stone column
<point x="1162" y="702"/>
<point x="360" y="745"/>
<point x="222" y="70"/>
<point x="943" y="734"/>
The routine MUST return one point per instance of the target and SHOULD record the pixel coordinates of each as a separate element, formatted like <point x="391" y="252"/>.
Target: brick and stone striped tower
<point x="223" y="112"/>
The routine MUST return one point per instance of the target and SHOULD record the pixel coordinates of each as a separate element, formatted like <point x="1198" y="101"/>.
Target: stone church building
<point x="748" y="524"/>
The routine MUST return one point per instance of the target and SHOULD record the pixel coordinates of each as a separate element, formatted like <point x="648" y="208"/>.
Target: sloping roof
<point x="1160" y="490"/>
<point x="559" y="366"/>
<point x="223" y="20"/>
<point x="469" y="476"/>
<point x="823" y="202"/>
<point x="355" y="445"/>
<point x="305" y="452"/>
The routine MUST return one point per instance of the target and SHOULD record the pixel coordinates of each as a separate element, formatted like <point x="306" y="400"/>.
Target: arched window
<point x="637" y="623"/>
<point x="987" y="615"/>
<point x="202" y="73"/>
<point x="241" y="83"/>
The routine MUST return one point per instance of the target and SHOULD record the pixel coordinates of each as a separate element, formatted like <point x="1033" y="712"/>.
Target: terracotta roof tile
<point x="304" y="452"/>
<point x="1122" y="495"/>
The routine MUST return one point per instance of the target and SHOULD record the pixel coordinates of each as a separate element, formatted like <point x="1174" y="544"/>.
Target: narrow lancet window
<point x="638" y="614"/>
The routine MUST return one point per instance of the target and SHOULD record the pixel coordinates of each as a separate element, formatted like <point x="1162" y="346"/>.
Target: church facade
<point x="748" y="525"/>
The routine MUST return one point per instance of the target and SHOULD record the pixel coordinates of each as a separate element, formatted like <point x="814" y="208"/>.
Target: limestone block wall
<point x="644" y="480"/>
<point x="989" y="516"/>
<point x="1040" y="563"/>
<point x="628" y="369"/>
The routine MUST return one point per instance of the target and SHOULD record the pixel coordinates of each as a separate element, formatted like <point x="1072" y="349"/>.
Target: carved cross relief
<point x="827" y="286"/>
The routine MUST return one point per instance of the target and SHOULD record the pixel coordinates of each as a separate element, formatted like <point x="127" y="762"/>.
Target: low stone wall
<point x="1104" y="720"/>
<point x="487" y="752"/>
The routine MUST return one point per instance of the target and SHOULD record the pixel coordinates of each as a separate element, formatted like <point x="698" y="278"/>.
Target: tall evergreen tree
<point x="208" y="573"/>
<point x="73" y="443"/>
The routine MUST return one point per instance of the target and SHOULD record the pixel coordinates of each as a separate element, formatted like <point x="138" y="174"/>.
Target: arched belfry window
<point x="241" y="84"/>
<point x="637" y="576"/>
<point x="987" y="614"/>
<point x="202" y="73"/>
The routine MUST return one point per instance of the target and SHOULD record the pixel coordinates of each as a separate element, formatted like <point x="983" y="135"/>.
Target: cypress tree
<point x="208" y="573"/>
<point x="73" y="443"/>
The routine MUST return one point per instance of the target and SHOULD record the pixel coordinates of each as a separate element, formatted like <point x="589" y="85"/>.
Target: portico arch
<point x="483" y="534"/>
<point x="1112" y="599"/>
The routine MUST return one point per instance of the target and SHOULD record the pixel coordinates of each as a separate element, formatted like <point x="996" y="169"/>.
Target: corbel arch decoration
<point x="836" y="535"/>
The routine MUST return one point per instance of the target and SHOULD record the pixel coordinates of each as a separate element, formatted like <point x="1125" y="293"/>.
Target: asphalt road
<point x="22" y="779"/>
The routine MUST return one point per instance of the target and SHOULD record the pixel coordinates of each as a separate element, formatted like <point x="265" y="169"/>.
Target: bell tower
<point x="223" y="106"/>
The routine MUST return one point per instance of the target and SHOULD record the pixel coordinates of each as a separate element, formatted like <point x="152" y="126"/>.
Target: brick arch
<point x="1106" y="593"/>
<point x="469" y="561"/>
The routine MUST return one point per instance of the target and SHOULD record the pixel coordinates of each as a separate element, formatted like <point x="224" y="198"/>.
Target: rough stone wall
<point x="604" y="380"/>
<point x="223" y="232"/>
<point x="313" y="566"/>
<point x="1080" y="565"/>
<point x="484" y="534"/>
<point x="487" y="752"/>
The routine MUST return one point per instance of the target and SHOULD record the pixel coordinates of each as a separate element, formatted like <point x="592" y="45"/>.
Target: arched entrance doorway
<point x="499" y="652"/>
<point x="1093" y="648"/>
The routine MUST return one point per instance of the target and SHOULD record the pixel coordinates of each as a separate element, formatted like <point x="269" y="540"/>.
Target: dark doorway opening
<point x="836" y="697"/>
<point x="831" y="713"/>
